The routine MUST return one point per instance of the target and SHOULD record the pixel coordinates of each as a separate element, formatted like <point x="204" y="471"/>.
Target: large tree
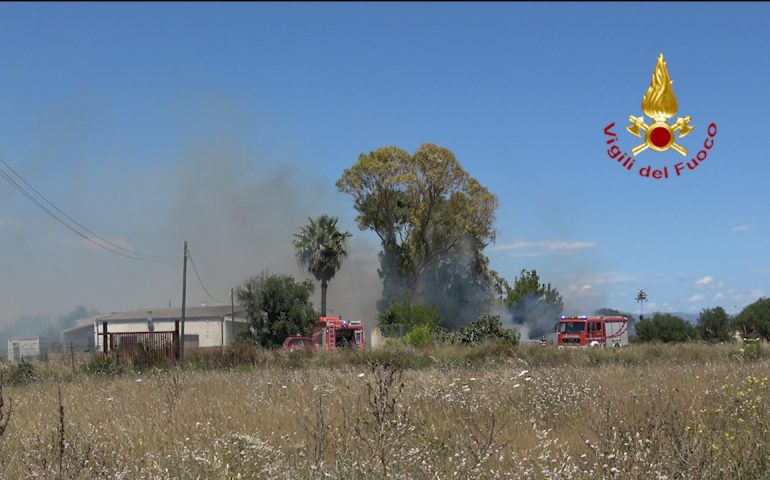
<point x="755" y="319"/>
<point x="537" y="305"/>
<point x="278" y="307"/>
<point x="321" y="248"/>
<point x="434" y="221"/>
<point x="714" y="324"/>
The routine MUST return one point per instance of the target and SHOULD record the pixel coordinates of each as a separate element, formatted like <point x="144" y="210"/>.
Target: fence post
<point x="176" y="339"/>
<point x="104" y="342"/>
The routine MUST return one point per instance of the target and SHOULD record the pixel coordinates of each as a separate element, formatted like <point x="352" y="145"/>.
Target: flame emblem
<point x="659" y="103"/>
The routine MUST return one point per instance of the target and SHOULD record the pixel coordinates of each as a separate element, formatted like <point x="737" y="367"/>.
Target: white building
<point x="204" y="326"/>
<point x="81" y="337"/>
<point x="27" y="348"/>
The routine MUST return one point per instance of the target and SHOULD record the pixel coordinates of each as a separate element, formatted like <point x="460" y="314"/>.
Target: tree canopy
<point x="714" y="324"/>
<point x="754" y="319"/>
<point x="537" y="305"/>
<point x="278" y="307"/>
<point x="321" y="248"/>
<point x="433" y="220"/>
<point x="666" y="328"/>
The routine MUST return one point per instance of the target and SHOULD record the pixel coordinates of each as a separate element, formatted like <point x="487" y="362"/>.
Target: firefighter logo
<point x="659" y="103"/>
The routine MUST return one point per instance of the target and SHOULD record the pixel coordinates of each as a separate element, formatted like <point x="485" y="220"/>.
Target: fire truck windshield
<point x="572" y="327"/>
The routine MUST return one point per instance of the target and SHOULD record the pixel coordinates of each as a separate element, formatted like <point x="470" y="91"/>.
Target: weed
<point x="57" y="458"/>
<point x="386" y="423"/>
<point x="102" y="365"/>
<point x="21" y="373"/>
<point x="172" y="391"/>
<point x="5" y="413"/>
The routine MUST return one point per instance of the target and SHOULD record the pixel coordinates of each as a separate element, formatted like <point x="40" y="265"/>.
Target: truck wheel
<point x="617" y="345"/>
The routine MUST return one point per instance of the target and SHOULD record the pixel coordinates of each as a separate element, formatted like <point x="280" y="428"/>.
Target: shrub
<point x="245" y="338"/>
<point x="666" y="328"/>
<point x="487" y="327"/>
<point x="418" y="336"/>
<point x="751" y="349"/>
<point x="104" y="365"/>
<point x="20" y="373"/>
<point x="407" y="313"/>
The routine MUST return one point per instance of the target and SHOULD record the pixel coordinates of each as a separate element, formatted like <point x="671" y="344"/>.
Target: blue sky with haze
<point x="227" y="125"/>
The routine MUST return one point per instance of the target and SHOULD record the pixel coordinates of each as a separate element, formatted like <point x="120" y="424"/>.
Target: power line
<point x="189" y="255"/>
<point x="58" y="219"/>
<point x="102" y="243"/>
<point x="127" y="250"/>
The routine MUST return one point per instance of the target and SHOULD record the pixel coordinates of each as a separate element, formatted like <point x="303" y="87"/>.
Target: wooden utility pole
<point x="184" y="300"/>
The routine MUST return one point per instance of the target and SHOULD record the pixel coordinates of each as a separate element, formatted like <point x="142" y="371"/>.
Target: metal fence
<point x="151" y="346"/>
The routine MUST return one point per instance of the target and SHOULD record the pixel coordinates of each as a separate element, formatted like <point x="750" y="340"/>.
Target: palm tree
<point x="320" y="247"/>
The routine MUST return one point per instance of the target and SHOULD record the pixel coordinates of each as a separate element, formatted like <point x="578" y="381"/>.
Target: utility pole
<point x="232" y="316"/>
<point x="184" y="299"/>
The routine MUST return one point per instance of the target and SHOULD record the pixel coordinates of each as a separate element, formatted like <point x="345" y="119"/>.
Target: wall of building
<point x="82" y="339"/>
<point x="208" y="332"/>
<point x="230" y="333"/>
<point x="27" y="348"/>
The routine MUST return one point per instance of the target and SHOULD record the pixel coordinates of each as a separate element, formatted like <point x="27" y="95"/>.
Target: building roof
<point x="141" y="314"/>
<point x="190" y="313"/>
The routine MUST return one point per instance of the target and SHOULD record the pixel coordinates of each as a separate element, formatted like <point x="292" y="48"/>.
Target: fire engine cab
<point x="592" y="331"/>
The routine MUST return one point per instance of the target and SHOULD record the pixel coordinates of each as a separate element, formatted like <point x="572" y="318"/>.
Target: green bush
<point x="20" y="373"/>
<point x="245" y="338"/>
<point x="407" y="312"/>
<point x="104" y="365"/>
<point x="487" y="327"/>
<point x="751" y="349"/>
<point x="418" y="336"/>
<point x="666" y="328"/>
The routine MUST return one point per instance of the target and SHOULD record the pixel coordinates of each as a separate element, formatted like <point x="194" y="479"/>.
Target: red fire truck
<point x="592" y="331"/>
<point x="328" y="334"/>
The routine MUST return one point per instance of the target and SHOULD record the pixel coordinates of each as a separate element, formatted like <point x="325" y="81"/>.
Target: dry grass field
<point x="691" y="411"/>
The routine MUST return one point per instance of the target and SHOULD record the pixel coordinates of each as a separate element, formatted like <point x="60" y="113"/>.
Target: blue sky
<point x="156" y="123"/>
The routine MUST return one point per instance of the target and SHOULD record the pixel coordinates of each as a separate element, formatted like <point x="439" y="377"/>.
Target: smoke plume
<point x="235" y="196"/>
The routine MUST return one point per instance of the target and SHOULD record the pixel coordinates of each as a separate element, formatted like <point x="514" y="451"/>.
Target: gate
<point x="152" y="346"/>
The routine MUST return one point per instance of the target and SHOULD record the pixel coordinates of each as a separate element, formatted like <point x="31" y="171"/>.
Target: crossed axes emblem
<point x="682" y="124"/>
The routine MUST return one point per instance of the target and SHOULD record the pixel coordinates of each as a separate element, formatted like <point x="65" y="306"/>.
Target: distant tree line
<point x="714" y="325"/>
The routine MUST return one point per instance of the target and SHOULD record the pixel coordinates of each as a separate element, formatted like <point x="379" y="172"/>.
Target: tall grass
<point x="448" y="355"/>
<point x="651" y="411"/>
